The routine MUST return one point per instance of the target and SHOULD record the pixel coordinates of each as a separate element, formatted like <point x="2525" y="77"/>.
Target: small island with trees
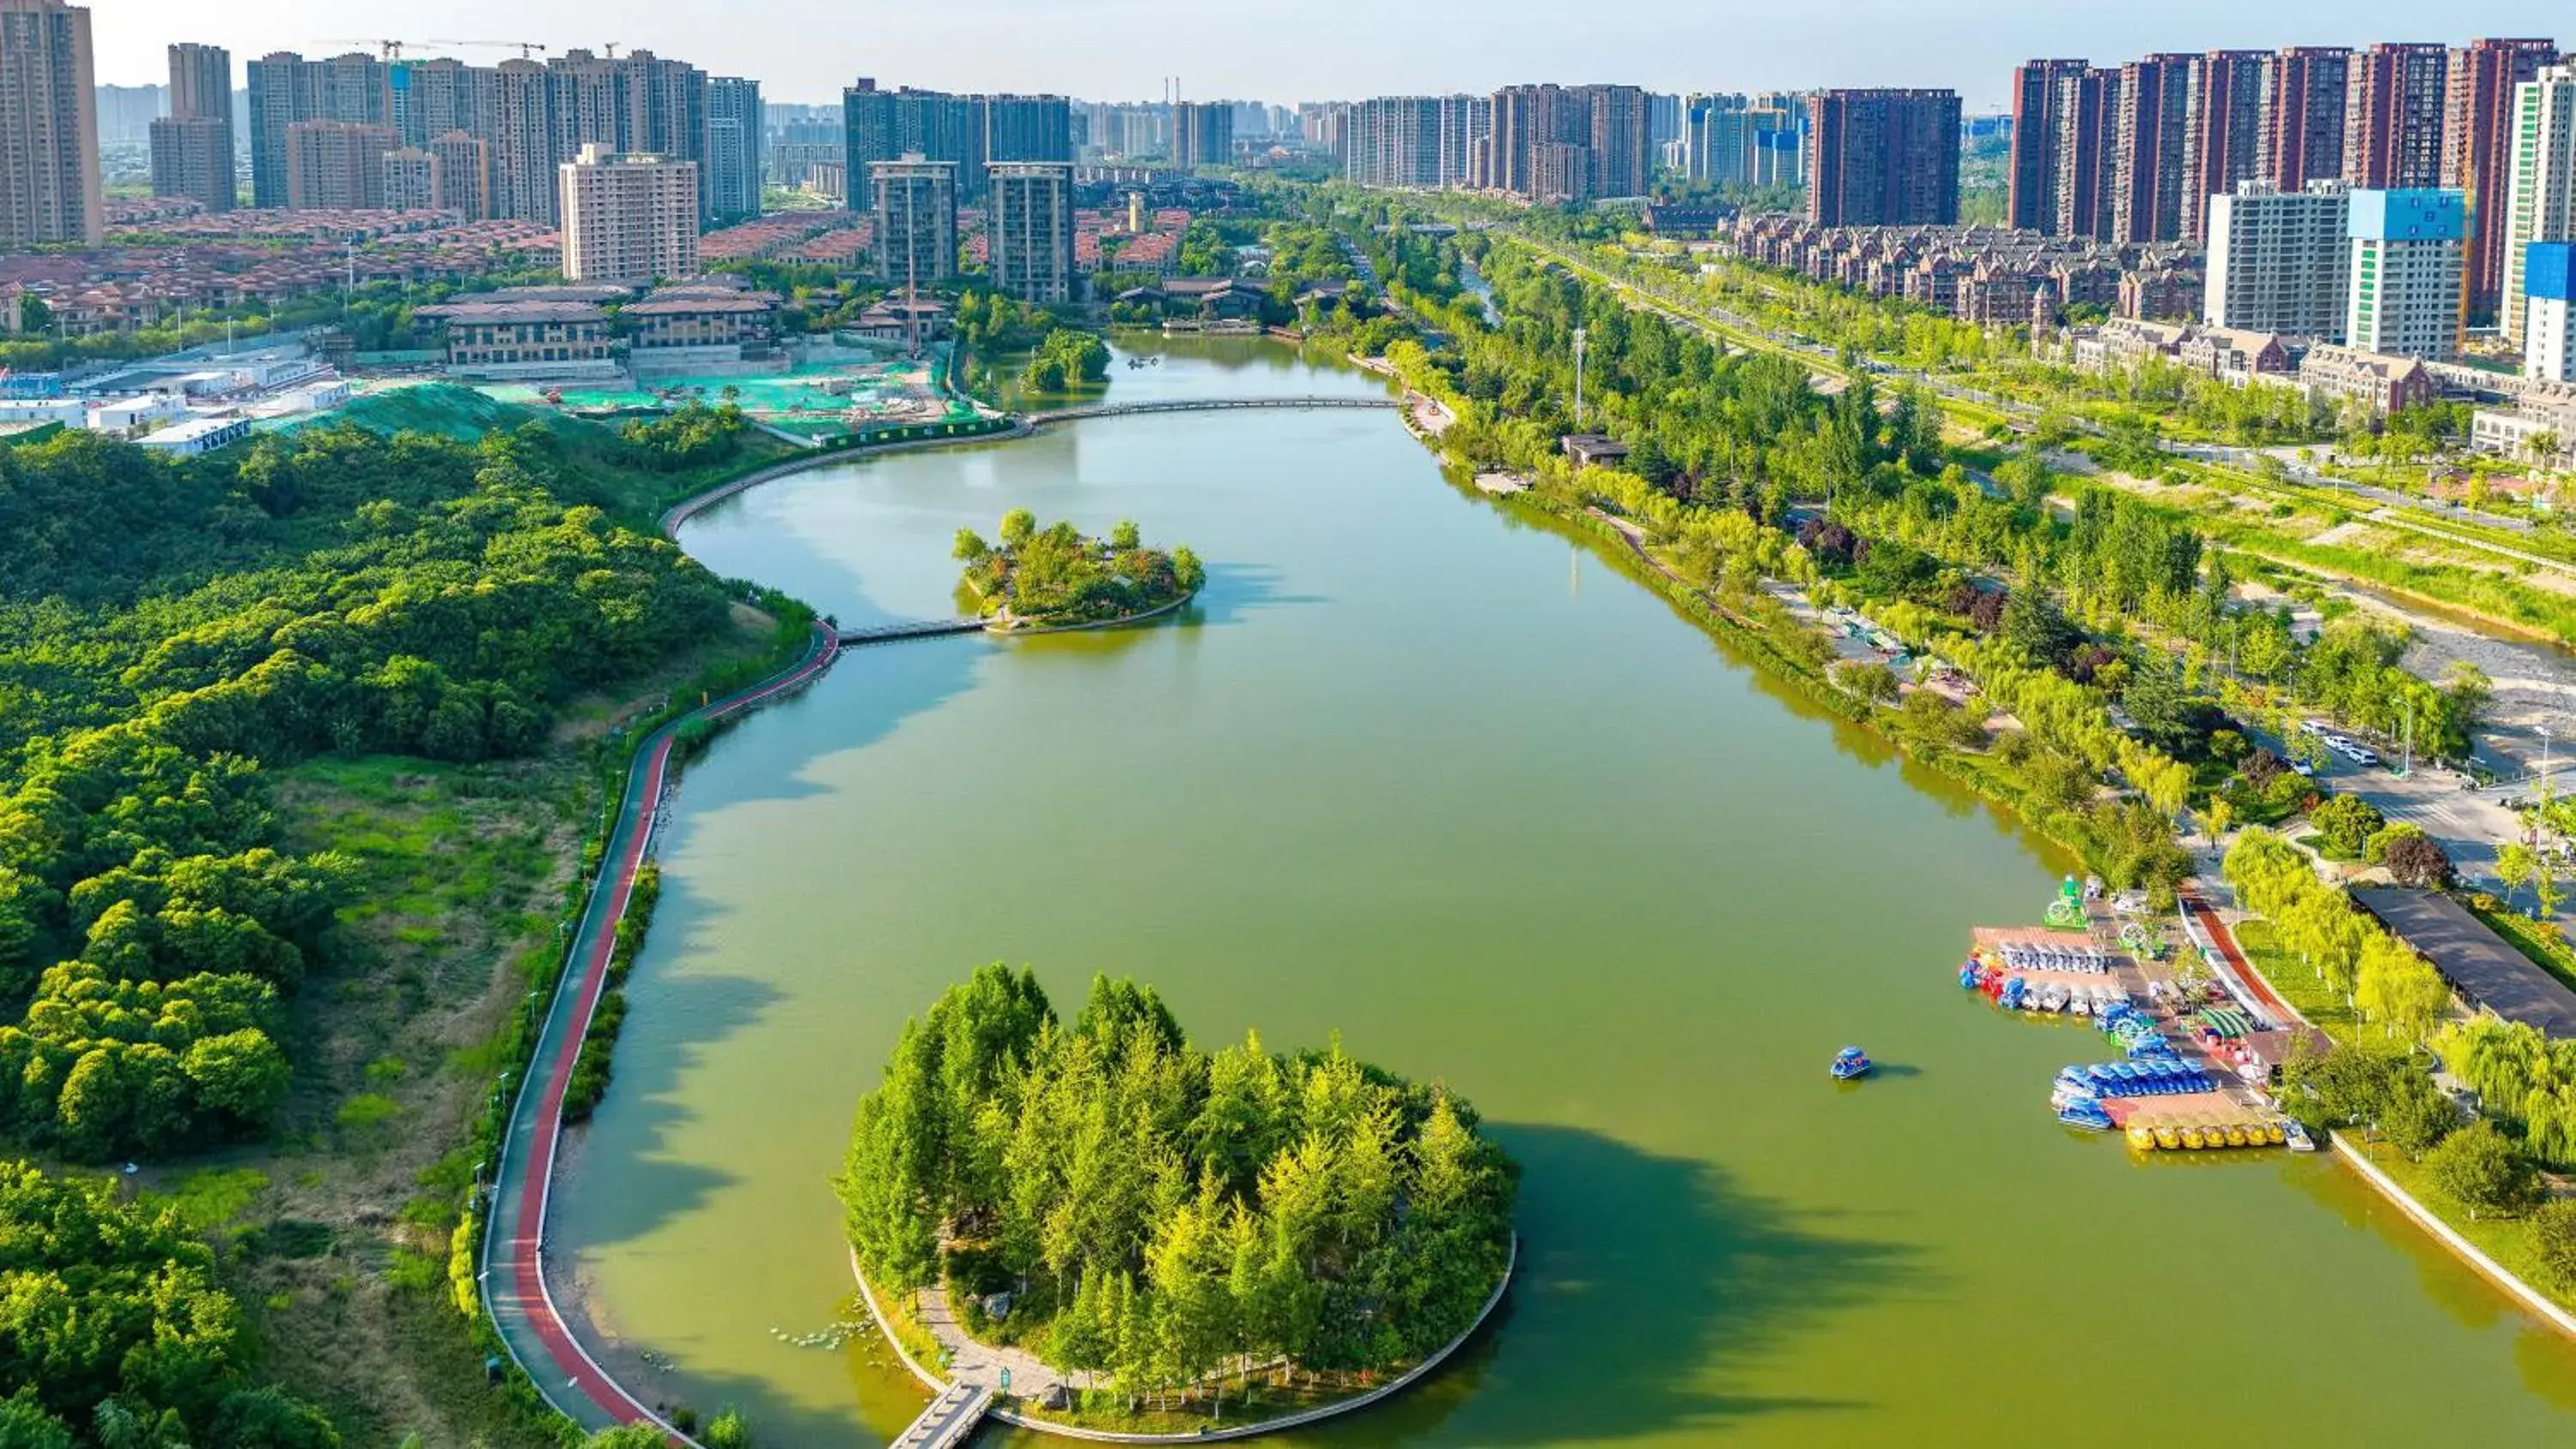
<point x="1057" y="578"/>
<point x="1173" y="1233"/>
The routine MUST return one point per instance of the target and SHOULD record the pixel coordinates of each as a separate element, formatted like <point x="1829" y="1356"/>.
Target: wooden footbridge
<point x="907" y="629"/>
<point x="1205" y="405"/>
<point x="949" y="1420"/>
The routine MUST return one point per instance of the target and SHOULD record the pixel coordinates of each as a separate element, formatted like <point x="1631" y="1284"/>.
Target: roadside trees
<point x="2346" y="824"/>
<point x="2480" y="1167"/>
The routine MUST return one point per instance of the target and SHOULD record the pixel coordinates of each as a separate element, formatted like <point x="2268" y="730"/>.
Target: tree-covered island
<point x="1055" y="577"/>
<point x="1167" y="1222"/>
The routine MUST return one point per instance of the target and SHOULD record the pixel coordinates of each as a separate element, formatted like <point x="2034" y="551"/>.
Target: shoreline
<point x="1007" y="631"/>
<point x="1430" y="1364"/>
<point x="1757" y="653"/>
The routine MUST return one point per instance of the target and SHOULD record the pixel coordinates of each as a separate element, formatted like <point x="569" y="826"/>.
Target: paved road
<point x="514" y="1272"/>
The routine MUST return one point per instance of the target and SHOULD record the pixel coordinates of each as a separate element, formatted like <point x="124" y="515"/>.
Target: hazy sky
<point x="1107" y="49"/>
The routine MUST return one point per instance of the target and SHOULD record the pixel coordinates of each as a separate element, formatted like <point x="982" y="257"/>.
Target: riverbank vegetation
<point x="1067" y="358"/>
<point x="1054" y="577"/>
<point x="1172" y="1219"/>
<point x="298" y="745"/>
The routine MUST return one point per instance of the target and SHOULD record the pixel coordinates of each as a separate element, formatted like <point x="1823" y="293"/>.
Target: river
<point x="1450" y="784"/>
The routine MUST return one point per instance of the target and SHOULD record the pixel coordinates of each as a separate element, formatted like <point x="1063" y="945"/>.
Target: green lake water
<point x="1445" y="781"/>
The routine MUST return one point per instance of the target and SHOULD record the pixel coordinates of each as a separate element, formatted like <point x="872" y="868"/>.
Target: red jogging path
<point x="2200" y="911"/>
<point x="513" y="1272"/>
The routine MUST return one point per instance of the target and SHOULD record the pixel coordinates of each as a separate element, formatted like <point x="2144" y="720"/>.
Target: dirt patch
<point x="589" y="716"/>
<point x="344" y="1253"/>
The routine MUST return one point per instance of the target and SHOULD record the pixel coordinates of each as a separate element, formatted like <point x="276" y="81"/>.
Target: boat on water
<point x="2296" y="1134"/>
<point x="2086" y="1113"/>
<point x="1849" y="1063"/>
<point x="2168" y="1136"/>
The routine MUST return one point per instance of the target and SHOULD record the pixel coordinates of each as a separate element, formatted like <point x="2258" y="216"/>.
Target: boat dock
<point x="2173" y="1059"/>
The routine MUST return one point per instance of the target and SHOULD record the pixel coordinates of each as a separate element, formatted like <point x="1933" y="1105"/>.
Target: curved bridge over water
<point x="1206" y="405"/>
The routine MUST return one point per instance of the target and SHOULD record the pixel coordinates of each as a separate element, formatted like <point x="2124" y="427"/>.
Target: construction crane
<point x="527" y="49"/>
<point x="391" y="50"/>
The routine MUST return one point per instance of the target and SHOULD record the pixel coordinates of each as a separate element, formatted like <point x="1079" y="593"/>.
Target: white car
<point x="2360" y="756"/>
<point x="2312" y="727"/>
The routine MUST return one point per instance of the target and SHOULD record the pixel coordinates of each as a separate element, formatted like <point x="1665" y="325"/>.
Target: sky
<point x="806" y="50"/>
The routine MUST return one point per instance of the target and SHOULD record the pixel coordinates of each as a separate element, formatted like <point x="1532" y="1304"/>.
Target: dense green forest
<point x="113" y="1331"/>
<point x="1054" y="575"/>
<point x="1164" y="1213"/>
<point x="170" y="632"/>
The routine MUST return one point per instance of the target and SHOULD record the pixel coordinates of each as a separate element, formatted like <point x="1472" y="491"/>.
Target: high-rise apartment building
<point x="287" y="90"/>
<point x="464" y="174"/>
<point x="49" y="176"/>
<point x="1623" y="151"/>
<point x="1202" y="134"/>
<point x="1779" y="140"/>
<point x="964" y="131"/>
<point x="192" y="157"/>
<point x="2304" y="94"/>
<point x="2279" y="260"/>
<point x="2540" y="185"/>
<point x="1025" y="128"/>
<point x="1883" y="157"/>
<point x="411" y="180"/>
<point x="1714" y="128"/>
<point x="1422" y="142"/>
<point x="2394" y="108"/>
<point x="2404" y="281"/>
<point x="1570" y="143"/>
<point x="2045" y="93"/>
<point x="2549" y="315"/>
<point x="338" y="164"/>
<point x="525" y="186"/>
<point x="729" y="173"/>
<point x="628" y="218"/>
<point x="434" y="97"/>
<point x="192" y="147"/>
<point x="201" y="81"/>
<point x="1394" y="141"/>
<point x="1029" y="230"/>
<point x="2149" y="149"/>
<point x="2226" y="132"/>
<point x="2477" y="147"/>
<point x="915" y="203"/>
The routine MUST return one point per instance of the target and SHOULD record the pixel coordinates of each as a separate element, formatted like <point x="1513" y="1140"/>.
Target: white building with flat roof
<point x="628" y="218"/>
<point x="2279" y="260"/>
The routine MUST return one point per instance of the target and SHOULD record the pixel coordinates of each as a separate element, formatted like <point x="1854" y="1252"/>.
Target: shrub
<point x="2346" y="824"/>
<point x="2553" y="1241"/>
<point x="2481" y="1168"/>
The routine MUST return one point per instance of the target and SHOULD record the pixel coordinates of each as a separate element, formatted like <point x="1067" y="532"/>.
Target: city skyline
<point x="1023" y="46"/>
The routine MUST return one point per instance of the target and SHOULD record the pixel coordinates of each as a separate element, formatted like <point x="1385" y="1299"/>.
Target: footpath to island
<point x="985" y="1381"/>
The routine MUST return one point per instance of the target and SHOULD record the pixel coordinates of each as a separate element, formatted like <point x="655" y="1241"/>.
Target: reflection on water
<point x="1395" y="777"/>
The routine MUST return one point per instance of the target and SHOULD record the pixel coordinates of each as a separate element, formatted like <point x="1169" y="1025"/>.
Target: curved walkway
<point x="513" y="1272"/>
<point x="1207" y="405"/>
<point x="979" y="1364"/>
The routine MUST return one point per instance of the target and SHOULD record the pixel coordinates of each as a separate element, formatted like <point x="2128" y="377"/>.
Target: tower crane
<point x="527" y="49"/>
